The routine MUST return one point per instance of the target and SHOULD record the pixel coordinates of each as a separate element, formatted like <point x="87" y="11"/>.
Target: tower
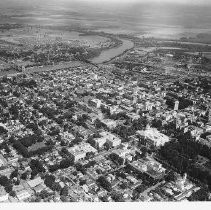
<point x="176" y="105"/>
<point x="208" y="111"/>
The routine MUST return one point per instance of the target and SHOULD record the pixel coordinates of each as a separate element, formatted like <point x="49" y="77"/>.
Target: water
<point x="205" y="54"/>
<point x="107" y="55"/>
<point x="188" y="43"/>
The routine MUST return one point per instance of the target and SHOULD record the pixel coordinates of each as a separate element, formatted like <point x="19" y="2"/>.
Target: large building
<point x="151" y="136"/>
<point x="99" y="142"/>
<point x="150" y="167"/>
<point x="106" y="137"/>
<point x="79" y="151"/>
<point x="111" y="139"/>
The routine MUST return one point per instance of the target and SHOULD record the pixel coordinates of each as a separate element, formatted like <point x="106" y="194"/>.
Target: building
<point x="209" y="115"/>
<point x="23" y="195"/>
<point x="111" y="139"/>
<point x="3" y="161"/>
<point x="95" y="103"/>
<point x="151" y="136"/>
<point x="79" y="152"/>
<point x="111" y="124"/>
<point x="35" y="182"/>
<point x="99" y="142"/>
<point x="149" y="166"/>
<point x="176" y="105"/>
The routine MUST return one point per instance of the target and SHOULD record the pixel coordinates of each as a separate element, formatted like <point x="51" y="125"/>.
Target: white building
<point x="153" y="137"/>
<point x="22" y="195"/>
<point x="79" y="151"/>
<point x="176" y="105"/>
<point x="33" y="183"/>
<point x="109" y="123"/>
<point x="99" y="142"/>
<point x="95" y="102"/>
<point x="111" y="139"/>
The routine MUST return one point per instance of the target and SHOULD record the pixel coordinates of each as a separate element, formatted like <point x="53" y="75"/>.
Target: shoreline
<point x="117" y="55"/>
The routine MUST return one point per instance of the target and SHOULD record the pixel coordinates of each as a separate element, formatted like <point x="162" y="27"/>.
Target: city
<point x="135" y="127"/>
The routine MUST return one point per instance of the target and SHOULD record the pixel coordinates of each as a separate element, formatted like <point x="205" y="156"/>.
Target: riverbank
<point x="110" y="54"/>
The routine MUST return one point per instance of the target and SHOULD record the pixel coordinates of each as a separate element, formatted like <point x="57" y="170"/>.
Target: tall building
<point x="176" y="105"/>
<point x="208" y="110"/>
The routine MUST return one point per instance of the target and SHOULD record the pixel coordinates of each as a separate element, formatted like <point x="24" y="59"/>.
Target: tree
<point x="3" y="180"/>
<point x="53" y="168"/>
<point x="107" y="146"/>
<point x="89" y="155"/>
<point x="144" y="151"/>
<point x="65" y="163"/>
<point x="8" y="188"/>
<point x="157" y="124"/>
<point x="80" y="167"/>
<point x="44" y="194"/>
<point x="56" y="187"/>
<point x="63" y="143"/>
<point x="34" y="173"/>
<point x="117" y="196"/>
<point x="14" y="174"/>
<point x="98" y="123"/>
<point x="24" y="176"/>
<point x="104" y="183"/>
<point x="82" y="181"/>
<point x="64" y="198"/>
<point x="17" y="145"/>
<point x="65" y="151"/>
<point x="12" y="193"/>
<point x="49" y="180"/>
<point x="64" y="191"/>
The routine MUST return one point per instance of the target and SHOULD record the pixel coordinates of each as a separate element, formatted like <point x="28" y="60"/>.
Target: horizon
<point x="178" y="2"/>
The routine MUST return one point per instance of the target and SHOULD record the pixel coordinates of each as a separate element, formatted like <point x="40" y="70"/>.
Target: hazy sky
<point x="199" y="2"/>
<point x="158" y="1"/>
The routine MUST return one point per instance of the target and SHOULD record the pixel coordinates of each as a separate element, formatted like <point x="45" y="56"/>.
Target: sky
<point x="126" y="1"/>
<point x="200" y="2"/>
<point x="190" y="2"/>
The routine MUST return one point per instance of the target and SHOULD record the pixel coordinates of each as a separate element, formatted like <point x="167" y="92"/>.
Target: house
<point x="3" y="161"/>
<point x="39" y="188"/>
<point x="23" y="195"/>
<point x="109" y="123"/>
<point x="95" y="103"/>
<point x="99" y="142"/>
<point x="35" y="182"/>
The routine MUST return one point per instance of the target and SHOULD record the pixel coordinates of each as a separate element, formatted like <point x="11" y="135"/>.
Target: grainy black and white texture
<point x="105" y="101"/>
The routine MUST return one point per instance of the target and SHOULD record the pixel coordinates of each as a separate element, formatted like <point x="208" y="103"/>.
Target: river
<point x="188" y="43"/>
<point x="109" y="54"/>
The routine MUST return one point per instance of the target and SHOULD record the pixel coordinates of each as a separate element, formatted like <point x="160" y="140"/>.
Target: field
<point x="29" y="36"/>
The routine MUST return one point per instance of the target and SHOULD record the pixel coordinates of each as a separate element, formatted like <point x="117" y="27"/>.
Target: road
<point x="151" y="188"/>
